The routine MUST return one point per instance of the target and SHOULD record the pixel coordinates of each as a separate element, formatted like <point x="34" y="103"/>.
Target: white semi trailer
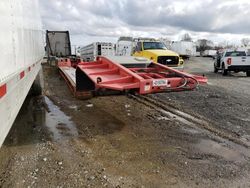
<point x="124" y="46"/>
<point x="21" y="44"/>
<point x="209" y="53"/>
<point x="184" y="48"/>
<point x="91" y="51"/>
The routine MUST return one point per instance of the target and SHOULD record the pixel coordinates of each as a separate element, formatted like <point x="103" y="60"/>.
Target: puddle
<point x="215" y="148"/>
<point x="58" y="123"/>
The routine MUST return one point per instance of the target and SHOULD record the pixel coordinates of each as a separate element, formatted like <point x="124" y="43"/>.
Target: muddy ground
<point x="198" y="138"/>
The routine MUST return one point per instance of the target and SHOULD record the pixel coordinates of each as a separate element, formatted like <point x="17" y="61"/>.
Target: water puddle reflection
<point x="58" y="123"/>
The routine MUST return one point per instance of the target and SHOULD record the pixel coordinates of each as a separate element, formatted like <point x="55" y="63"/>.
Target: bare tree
<point x="204" y="44"/>
<point x="245" y="42"/>
<point x="186" y="37"/>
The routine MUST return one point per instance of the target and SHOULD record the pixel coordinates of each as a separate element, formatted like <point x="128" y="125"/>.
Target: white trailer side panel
<point x="210" y="53"/>
<point x="184" y="48"/>
<point x="124" y="48"/>
<point x="91" y="51"/>
<point x="21" y="44"/>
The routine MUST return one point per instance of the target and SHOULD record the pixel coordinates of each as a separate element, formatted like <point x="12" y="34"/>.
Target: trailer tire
<point x="224" y="70"/>
<point x="215" y="69"/>
<point x="248" y="73"/>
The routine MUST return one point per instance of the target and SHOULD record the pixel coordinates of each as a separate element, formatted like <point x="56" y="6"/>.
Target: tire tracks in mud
<point x="194" y="121"/>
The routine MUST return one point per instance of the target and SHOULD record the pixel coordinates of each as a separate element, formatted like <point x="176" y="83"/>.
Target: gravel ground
<point x="197" y="138"/>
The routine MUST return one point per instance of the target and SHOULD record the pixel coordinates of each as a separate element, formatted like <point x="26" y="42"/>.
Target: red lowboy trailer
<point x="124" y="74"/>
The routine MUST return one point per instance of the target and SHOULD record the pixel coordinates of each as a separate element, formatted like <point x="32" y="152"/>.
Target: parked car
<point x="232" y="60"/>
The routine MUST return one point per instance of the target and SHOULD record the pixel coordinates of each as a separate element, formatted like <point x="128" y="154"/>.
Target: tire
<point x="224" y="71"/>
<point x="248" y="73"/>
<point x="215" y="69"/>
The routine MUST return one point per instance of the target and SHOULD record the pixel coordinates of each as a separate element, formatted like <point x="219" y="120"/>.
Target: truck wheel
<point x="224" y="70"/>
<point x="248" y="73"/>
<point x="215" y="69"/>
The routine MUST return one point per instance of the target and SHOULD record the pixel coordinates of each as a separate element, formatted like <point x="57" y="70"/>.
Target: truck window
<point x="154" y="45"/>
<point x="235" y="54"/>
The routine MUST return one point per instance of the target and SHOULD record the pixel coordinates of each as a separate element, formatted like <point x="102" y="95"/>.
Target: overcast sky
<point x="105" y="20"/>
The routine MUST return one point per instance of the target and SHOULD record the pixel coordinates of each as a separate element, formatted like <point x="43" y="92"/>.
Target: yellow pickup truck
<point x="157" y="52"/>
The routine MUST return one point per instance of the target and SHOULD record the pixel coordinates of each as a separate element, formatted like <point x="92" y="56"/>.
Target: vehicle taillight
<point x="229" y="61"/>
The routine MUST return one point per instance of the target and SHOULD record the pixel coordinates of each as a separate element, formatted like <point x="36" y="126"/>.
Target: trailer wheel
<point x="215" y="69"/>
<point x="224" y="70"/>
<point x="248" y="73"/>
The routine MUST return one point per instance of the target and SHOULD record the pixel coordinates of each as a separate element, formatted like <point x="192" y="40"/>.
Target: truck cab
<point x="232" y="60"/>
<point x="157" y="52"/>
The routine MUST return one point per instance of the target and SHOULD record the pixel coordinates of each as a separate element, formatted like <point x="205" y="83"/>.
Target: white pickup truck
<point x="231" y="60"/>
